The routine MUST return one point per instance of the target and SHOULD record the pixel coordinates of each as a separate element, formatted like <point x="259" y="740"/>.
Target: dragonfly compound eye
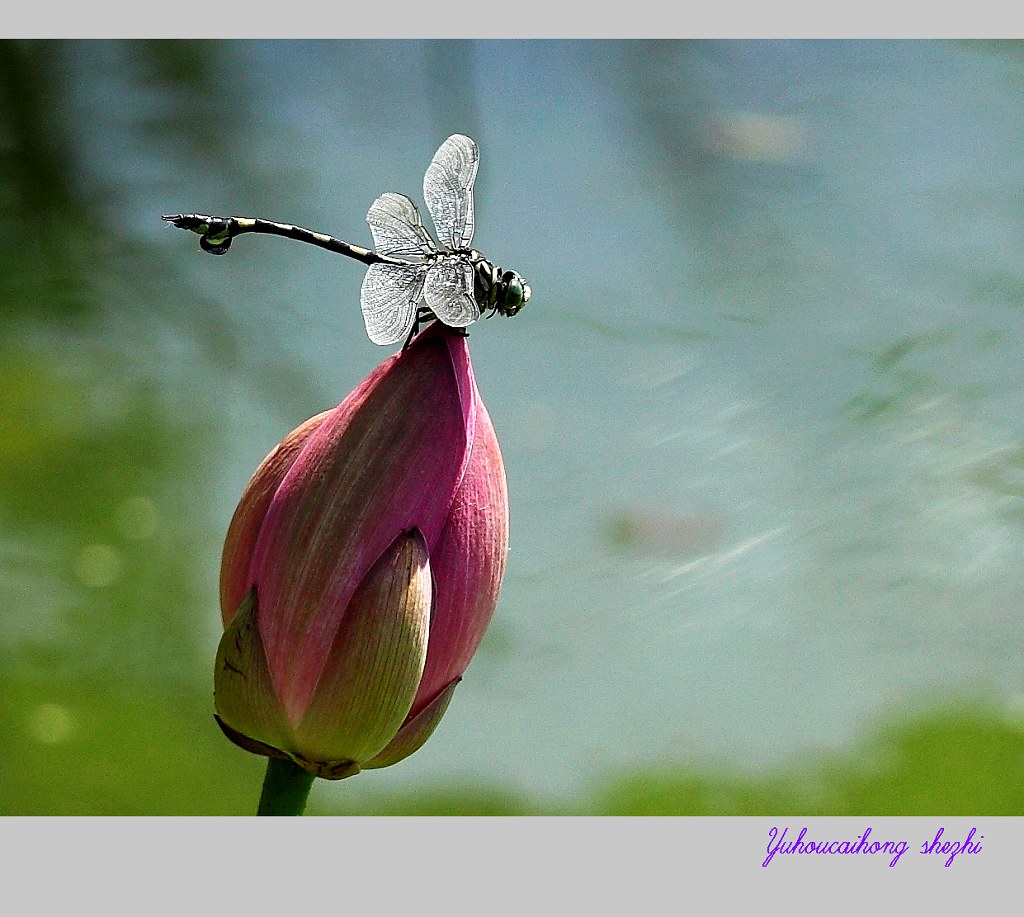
<point x="516" y="293"/>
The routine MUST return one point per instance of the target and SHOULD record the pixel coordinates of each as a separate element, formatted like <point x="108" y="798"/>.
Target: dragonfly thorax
<point x="504" y="292"/>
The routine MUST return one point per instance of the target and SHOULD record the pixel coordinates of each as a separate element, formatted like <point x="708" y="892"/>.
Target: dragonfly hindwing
<point x="448" y="190"/>
<point x="389" y="298"/>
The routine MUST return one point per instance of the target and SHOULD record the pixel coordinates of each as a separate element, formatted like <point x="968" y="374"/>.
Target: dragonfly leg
<point x="412" y="334"/>
<point x="423" y="314"/>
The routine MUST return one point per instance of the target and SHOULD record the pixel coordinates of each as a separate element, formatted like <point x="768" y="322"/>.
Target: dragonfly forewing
<point x="448" y="290"/>
<point x="389" y="299"/>
<point x="448" y="190"/>
<point x="397" y="228"/>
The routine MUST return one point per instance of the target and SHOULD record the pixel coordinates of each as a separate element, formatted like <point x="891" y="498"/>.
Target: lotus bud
<point x="362" y="566"/>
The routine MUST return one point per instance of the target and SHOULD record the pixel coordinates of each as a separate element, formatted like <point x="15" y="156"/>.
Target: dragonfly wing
<point x="448" y="190"/>
<point x="389" y="298"/>
<point x="397" y="228"/>
<point x="448" y="290"/>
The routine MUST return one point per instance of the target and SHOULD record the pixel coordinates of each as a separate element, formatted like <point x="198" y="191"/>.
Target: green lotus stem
<point x="285" y="788"/>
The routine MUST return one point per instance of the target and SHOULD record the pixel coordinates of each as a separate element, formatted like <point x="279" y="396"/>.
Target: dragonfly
<point x="411" y="279"/>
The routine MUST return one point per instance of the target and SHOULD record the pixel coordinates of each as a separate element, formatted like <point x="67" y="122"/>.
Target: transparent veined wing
<point x="448" y="290"/>
<point x="389" y="298"/>
<point x="448" y="190"/>
<point x="397" y="228"/>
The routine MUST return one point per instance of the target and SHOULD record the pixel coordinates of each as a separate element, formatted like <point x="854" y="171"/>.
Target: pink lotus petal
<point x="415" y="731"/>
<point x="243" y="693"/>
<point x="375" y="664"/>
<point x="468" y="563"/>
<point x="248" y="518"/>
<point x="387" y="459"/>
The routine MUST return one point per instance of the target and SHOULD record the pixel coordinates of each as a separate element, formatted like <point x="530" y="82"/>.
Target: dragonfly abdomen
<point x="216" y="234"/>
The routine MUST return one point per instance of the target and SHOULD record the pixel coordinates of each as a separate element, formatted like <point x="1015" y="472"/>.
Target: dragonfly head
<point x="504" y="292"/>
<point x="513" y="294"/>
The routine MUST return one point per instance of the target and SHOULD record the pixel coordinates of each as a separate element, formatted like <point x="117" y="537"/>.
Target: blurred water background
<point x="762" y="419"/>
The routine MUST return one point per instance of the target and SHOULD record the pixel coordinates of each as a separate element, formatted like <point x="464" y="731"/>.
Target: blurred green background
<point x="762" y="420"/>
